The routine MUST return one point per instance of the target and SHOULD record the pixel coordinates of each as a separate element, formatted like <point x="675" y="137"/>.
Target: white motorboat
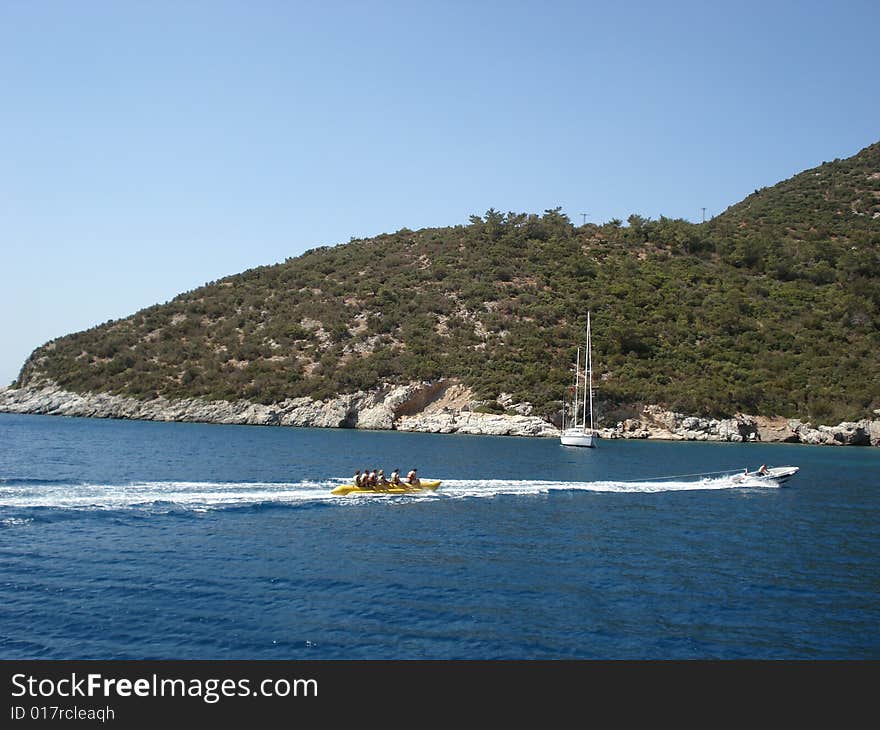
<point x="774" y="475"/>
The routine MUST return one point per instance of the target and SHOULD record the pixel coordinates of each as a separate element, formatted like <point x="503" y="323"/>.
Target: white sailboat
<point x="578" y="433"/>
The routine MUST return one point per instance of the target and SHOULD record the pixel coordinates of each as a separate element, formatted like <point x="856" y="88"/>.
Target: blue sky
<point x="149" y="147"/>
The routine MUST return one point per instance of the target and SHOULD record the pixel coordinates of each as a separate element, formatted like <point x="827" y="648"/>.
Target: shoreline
<point x="438" y="407"/>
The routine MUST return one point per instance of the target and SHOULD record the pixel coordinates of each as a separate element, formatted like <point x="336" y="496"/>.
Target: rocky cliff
<point x="429" y="407"/>
<point x="657" y="423"/>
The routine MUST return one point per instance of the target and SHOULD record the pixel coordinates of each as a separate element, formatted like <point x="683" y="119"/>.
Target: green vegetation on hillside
<point x="771" y="308"/>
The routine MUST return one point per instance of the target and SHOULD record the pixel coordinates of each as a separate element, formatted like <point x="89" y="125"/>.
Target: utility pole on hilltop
<point x="585" y="218"/>
<point x="704" y="215"/>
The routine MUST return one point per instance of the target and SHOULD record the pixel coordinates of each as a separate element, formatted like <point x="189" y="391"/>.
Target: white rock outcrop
<point x="657" y="423"/>
<point x="485" y="424"/>
<point x="431" y="407"/>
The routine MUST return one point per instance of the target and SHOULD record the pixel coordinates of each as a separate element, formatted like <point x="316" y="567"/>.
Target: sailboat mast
<point x="577" y="374"/>
<point x="590" y="370"/>
<point x="586" y="366"/>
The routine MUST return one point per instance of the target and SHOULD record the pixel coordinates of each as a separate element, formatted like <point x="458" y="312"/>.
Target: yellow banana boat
<point x="425" y="486"/>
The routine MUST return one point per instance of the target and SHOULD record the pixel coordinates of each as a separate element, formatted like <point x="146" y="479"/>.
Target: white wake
<point x="213" y="495"/>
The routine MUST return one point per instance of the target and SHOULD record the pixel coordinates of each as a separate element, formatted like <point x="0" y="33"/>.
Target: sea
<point x="142" y="540"/>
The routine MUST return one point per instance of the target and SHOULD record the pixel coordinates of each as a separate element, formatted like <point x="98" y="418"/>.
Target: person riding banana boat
<point x="375" y="481"/>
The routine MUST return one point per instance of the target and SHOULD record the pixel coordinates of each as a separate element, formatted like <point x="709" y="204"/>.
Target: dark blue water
<point x="133" y="540"/>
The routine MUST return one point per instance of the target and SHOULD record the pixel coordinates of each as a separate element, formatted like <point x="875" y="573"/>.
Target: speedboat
<point x="775" y="475"/>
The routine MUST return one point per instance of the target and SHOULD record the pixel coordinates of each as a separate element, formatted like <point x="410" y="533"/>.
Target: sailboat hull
<point x="572" y="437"/>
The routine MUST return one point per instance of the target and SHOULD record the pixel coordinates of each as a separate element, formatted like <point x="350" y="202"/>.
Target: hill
<point x="771" y="308"/>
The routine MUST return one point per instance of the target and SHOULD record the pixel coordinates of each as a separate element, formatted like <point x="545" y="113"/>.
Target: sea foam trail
<point x="493" y="487"/>
<point x="193" y="495"/>
<point x="217" y="495"/>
